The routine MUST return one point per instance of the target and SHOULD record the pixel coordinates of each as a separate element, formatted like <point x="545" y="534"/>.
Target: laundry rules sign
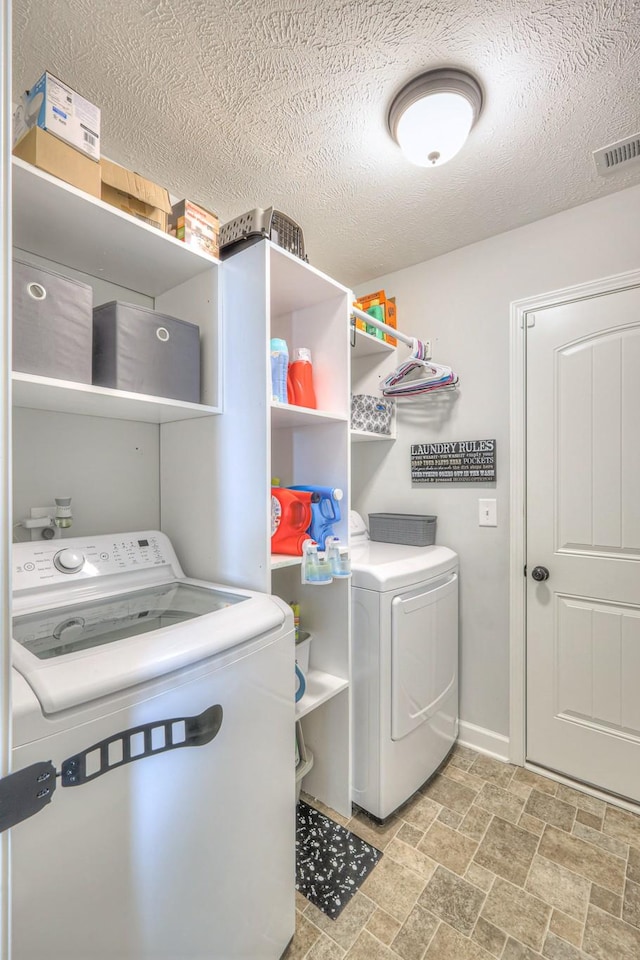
<point x="460" y="461"/>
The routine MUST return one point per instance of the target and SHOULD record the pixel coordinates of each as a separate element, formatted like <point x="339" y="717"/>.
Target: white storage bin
<point x="304" y="760"/>
<point x="303" y="647"/>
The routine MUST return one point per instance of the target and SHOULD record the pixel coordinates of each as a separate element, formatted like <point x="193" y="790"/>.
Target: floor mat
<point x="331" y="862"/>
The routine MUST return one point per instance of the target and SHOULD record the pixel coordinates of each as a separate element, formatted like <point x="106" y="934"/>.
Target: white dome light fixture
<point x="431" y="117"/>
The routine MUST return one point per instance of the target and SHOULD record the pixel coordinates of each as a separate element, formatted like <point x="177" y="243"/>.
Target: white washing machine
<point x="166" y="706"/>
<point x="404" y="666"/>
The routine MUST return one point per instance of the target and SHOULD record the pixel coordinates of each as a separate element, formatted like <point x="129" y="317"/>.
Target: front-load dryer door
<point x="424" y="653"/>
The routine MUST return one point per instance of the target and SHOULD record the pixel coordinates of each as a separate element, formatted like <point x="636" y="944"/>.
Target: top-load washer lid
<point x="69" y="629"/>
<point x="393" y="566"/>
<point x="124" y="614"/>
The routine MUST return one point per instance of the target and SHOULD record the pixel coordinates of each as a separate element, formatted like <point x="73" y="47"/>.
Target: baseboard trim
<point x="484" y="741"/>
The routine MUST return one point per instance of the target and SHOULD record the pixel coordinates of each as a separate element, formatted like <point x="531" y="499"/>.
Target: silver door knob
<point x="540" y="574"/>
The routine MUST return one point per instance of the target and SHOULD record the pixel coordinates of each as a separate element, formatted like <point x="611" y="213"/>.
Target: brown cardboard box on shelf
<point x="195" y="226"/>
<point x="360" y="324"/>
<point x="54" y="156"/>
<point x="391" y="318"/>
<point x="135" y="195"/>
<point x="377" y="299"/>
<point x="53" y="106"/>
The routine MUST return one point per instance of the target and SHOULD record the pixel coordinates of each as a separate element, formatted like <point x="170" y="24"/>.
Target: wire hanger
<point x="406" y="380"/>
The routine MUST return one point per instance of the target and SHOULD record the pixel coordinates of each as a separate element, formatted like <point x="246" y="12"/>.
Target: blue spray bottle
<point x="279" y="369"/>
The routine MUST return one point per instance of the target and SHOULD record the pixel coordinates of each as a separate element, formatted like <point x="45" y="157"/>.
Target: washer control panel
<point x="45" y="562"/>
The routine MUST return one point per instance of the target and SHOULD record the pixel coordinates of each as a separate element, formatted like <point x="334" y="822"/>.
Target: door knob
<point x="540" y="574"/>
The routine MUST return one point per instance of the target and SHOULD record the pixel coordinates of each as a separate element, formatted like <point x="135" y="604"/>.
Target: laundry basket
<point x="416" y="530"/>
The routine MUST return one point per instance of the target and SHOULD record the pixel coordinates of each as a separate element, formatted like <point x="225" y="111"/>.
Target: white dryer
<point x="404" y="666"/>
<point x="166" y="707"/>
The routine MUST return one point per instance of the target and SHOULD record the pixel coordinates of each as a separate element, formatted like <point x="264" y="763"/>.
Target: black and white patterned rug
<point x="331" y="862"/>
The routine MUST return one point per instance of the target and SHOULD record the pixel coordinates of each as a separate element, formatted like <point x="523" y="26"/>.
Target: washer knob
<point x="68" y="561"/>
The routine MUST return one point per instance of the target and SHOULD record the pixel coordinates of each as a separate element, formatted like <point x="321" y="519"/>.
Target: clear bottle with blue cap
<point x="279" y="369"/>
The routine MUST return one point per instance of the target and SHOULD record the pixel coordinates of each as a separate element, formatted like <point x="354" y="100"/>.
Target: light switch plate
<point x="487" y="513"/>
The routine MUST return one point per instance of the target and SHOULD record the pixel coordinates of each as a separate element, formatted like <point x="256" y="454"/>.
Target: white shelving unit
<point x="367" y="345"/>
<point x="60" y="223"/>
<point x="63" y="396"/>
<point x="269" y="293"/>
<point x="365" y="436"/>
<point x="321" y="687"/>
<point x="103" y="446"/>
<point x="371" y="360"/>
<point x="131" y="461"/>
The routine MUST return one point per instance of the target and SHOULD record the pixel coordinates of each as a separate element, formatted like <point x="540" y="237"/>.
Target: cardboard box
<point x="60" y="160"/>
<point x="391" y="317"/>
<point x="360" y="324"/>
<point x="55" y="108"/>
<point x="195" y="226"/>
<point x="377" y="299"/>
<point x="373" y="299"/>
<point x="135" y="195"/>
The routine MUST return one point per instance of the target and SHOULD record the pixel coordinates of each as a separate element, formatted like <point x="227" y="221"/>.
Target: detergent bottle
<point x="290" y="519"/>
<point x="300" y="380"/>
<point x="325" y="511"/>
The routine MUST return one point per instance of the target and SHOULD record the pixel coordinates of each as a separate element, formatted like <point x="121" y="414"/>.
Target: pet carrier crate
<point x="257" y="225"/>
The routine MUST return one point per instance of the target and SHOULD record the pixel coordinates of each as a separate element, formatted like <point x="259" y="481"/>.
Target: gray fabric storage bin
<point x="51" y="324"/>
<point x="416" y="530"/>
<point x="138" y="349"/>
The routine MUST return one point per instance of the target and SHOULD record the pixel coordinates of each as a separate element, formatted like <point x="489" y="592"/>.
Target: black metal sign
<point x="459" y="461"/>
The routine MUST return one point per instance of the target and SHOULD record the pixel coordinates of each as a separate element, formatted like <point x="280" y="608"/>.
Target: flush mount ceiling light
<point x="431" y="117"/>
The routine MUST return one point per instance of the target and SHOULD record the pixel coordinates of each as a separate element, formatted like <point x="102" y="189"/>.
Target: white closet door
<point x="423" y="653"/>
<point x="583" y="525"/>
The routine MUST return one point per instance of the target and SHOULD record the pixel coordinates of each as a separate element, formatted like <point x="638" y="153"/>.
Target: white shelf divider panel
<point x="54" y="220"/>
<point x="365" y="436"/>
<point x="367" y="345"/>
<point x="320" y="688"/>
<point x="288" y="415"/>
<point x="65" y="396"/>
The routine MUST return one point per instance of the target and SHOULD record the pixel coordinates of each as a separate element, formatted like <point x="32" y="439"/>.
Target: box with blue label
<point x="56" y="108"/>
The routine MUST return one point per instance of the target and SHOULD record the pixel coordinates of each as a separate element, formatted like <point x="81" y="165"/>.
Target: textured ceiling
<point x="240" y="104"/>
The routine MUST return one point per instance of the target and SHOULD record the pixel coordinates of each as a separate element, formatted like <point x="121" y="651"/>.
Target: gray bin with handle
<point x="51" y="324"/>
<point x="138" y="349"/>
<point x="415" y="530"/>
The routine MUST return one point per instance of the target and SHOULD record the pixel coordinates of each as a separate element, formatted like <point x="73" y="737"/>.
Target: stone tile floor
<point x="488" y="861"/>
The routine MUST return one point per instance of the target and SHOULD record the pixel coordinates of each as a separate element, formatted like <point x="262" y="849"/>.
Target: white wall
<point x="461" y="302"/>
<point x="110" y="468"/>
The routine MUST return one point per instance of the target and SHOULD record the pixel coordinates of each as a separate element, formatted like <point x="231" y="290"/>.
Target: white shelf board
<point x="367" y="345"/>
<point x="64" y="396"/>
<point x="279" y="560"/>
<point x="54" y="220"/>
<point x="365" y="436"/>
<point x="320" y="688"/>
<point x="296" y="285"/>
<point x="288" y="415"/>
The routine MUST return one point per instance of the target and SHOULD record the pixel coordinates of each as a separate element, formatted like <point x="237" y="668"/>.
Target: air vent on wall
<point x="618" y="155"/>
